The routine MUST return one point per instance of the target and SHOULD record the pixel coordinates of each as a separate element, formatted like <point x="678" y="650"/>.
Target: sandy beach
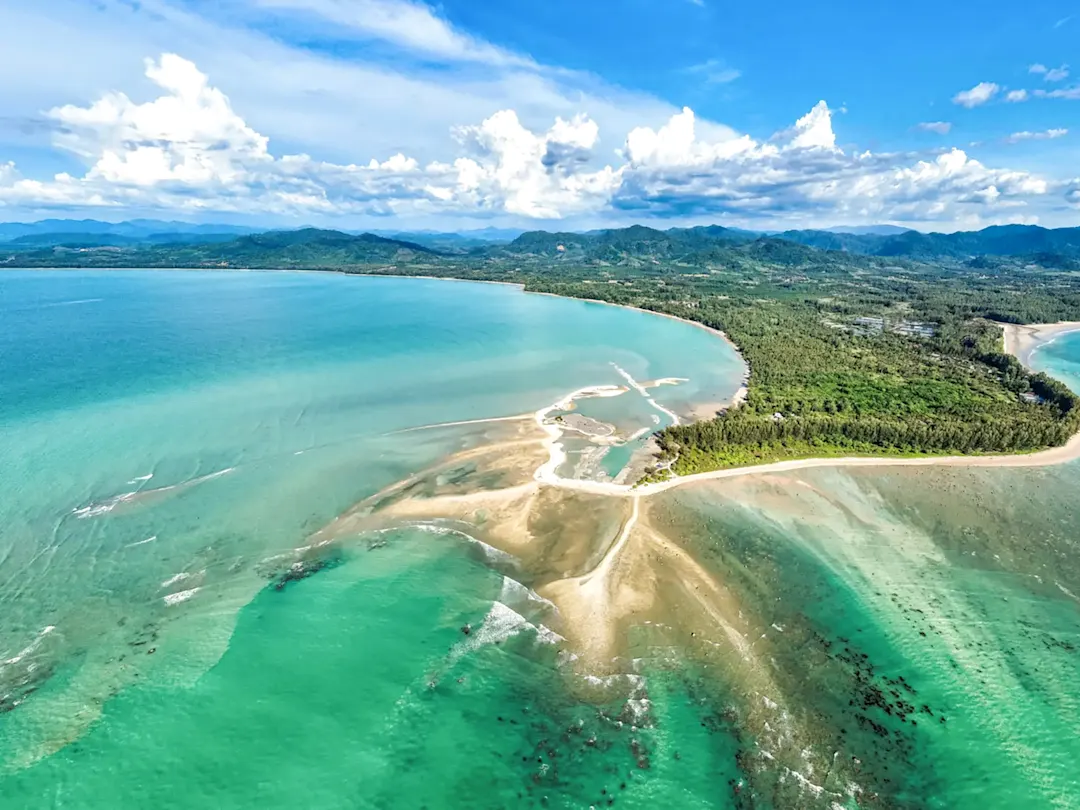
<point x="1024" y="340"/>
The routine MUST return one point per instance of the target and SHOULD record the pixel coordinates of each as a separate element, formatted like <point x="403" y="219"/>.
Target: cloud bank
<point x="188" y="150"/>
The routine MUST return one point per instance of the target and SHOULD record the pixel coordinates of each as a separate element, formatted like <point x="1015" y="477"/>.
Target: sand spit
<point x="1024" y="340"/>
<point x="1044" y="458"/>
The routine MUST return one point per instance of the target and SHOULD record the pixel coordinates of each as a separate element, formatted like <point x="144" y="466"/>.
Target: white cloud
<point x="333" y="102"/>
<point x="715" y="71"/>
<point x="189" y="135"/>
<point x="814" y="130"/>
<point x="405" y="23"/>
<point x="1069" y="93"/>
<point x="1050" y="74"/>
<point x="1016" y="96"/>
<point x="979" y="94"/>
<point x="189" y="150"/>
<point x="940" y="127"/>
<point x="1046" y="135"/>
<point x="520" y="172"/>
<point x="675" y="145"/>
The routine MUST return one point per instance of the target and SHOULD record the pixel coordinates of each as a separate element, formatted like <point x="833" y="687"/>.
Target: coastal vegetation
<point x="849" y="353"/>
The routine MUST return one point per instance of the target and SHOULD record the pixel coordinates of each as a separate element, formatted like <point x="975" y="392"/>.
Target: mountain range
<point x="176" y="244"/>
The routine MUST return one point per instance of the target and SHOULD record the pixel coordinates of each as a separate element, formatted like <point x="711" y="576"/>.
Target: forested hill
<point x="308" y="248"/>
<point x="132" y="244"/>
<point x="999" y="240"/>
<point x="321" y="249"/>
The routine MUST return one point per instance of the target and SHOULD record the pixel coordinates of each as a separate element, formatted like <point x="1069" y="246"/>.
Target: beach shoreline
<point x="1043" y="458"/>
<point x="1023" y="340"/>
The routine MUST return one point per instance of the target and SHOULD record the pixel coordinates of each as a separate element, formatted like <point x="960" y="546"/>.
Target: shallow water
<point x="175" y="442"/>
<point x="172" y="440"/>
<point x="921" y="623"/>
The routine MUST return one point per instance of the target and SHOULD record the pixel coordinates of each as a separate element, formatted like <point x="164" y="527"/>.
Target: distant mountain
<point x="452" y="241"/>
<point x="869" y="230"/>
<point x="36" y="241"/>
<point x="647" y="249"/>
<point x="640" y="246"/>
<point x="308" y="248"/>
<point x="998" y="240"/>
<point x="315" y="247"/>
<point x="829" y="240"/>
<point x="136" y="230"/>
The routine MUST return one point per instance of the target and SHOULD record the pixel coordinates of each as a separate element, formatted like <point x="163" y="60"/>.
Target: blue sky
<point x="395" y="113"/>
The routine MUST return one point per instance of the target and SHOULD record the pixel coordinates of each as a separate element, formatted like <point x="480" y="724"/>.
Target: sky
<point x="555" y="115"/>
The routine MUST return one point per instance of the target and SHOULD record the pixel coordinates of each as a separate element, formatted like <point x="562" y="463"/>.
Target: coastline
<point x="1023" y="340"/>
<point x="1020" y="340"/>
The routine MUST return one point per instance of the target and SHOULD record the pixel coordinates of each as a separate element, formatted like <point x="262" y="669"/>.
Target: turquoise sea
<point x="171" y="439"/>
<point x="172" y="443"/>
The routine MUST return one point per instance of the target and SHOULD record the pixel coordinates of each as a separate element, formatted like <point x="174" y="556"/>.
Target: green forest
<point x="849" y="353"/>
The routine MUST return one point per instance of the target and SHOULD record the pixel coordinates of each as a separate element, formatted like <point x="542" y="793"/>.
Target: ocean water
<point x="172" y="441"/>
<point x="922" y="625"/>
<point x="1060" y="358"/>
<point x="174" y="444"/>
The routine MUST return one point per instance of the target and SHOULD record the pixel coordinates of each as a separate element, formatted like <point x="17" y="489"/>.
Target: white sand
<point x="1024" y="341"/>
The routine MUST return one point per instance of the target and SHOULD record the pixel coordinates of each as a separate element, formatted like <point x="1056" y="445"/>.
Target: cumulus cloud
<point x="523" y="173"/>
<point x="979" y="94"/>
<point x="673" y="172"/>
<point x="1016" y="96"/>
<point x="189" y="135"/>
<point x="189" y="150"/>
<point x="940" y="127"/>
<point x="1046" y="135"/>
